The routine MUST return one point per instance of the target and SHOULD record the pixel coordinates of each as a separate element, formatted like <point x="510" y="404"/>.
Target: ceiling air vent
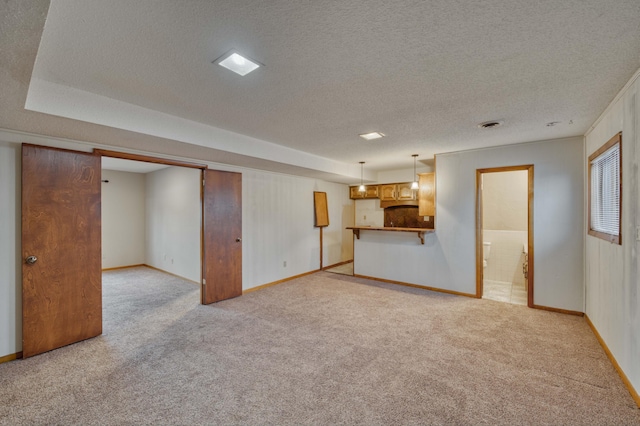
<point x="490" y="124"/>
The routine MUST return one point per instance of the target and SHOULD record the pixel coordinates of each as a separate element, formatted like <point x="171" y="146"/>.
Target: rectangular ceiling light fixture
<point x="372" y="135"/>
<point x="237" y="63"/>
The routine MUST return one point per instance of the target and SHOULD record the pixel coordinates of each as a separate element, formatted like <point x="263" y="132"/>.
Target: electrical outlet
<point x="284" y="263"/>
<point x="426" y="218"/>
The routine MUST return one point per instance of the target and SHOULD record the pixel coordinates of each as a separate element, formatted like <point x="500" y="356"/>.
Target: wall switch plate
<point x="637" y="233"/>
<point x="284" y="263"/>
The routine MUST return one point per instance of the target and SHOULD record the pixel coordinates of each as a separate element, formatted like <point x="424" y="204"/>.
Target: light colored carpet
<point x="322" y="349"/>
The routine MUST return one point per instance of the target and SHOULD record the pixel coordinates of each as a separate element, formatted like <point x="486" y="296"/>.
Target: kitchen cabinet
<point x="397" y="192"/>
<point x="388" y="192"/>
<point x="426" y="194"/>
<point x="370" y="191"/>
<point x="404" y="192"/>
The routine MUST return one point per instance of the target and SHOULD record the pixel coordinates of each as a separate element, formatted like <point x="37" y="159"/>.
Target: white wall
<point x="447" y="259"/>
<point x="613" y="271"/>
<point x="402" y="175"/>
<point x="123" y="219"/>
<point x="173" y="221"/>
<point x="277" y="225"/>
<point x="10" y="250"/>
<point x="506" y="256"/>
<point x="369" y="213"/>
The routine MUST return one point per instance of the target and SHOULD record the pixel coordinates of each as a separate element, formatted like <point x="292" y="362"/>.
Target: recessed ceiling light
<point x="237" y="63"/>
<point x="490" y="124"/>
<point x="371" y="136"/>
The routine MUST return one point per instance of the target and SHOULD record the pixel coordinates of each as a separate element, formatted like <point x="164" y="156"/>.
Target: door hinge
<point x="202" y="182"/>
<point x="204" y="282"/>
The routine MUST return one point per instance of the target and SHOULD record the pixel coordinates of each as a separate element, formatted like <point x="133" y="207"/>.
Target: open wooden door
<point x="222" y="236"/>
<point x="61" y="248"/>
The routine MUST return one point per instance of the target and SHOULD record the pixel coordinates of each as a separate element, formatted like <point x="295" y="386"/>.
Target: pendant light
<point x="361" y="187"/>
<point x="414" y="184"/>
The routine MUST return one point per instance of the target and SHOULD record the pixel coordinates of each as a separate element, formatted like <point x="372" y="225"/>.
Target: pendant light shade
<point x="361" y="187"/>
<point x="414" y="184"/>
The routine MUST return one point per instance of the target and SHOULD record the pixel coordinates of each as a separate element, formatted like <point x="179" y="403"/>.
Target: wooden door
<point x="61" y="286"/>
<point x="222" y="245"/>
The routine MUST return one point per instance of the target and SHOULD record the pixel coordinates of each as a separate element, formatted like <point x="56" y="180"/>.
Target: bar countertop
<point x="420" y="231"/>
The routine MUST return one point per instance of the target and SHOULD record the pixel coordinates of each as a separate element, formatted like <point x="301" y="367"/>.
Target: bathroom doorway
<point x="504" y="234"/>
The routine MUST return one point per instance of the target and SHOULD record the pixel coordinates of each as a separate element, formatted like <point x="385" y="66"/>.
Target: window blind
<point x="605" y="191"/>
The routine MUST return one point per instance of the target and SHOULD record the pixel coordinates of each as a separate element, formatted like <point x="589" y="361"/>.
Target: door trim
<point x="479" y="238"/>
<point x="170" y="162"/>
<point x="148" y="159"/>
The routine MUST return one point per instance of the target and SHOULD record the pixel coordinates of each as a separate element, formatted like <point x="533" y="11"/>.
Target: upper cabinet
<point x="397" y="192"/>
<point x="388" y="192"/>
<point x="371" y="191"/>
<point x="404" y="192"/>
<point x="426" y="194"/>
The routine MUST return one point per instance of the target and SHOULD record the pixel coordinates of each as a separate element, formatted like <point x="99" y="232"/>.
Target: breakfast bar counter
<point x="420" y="231"/>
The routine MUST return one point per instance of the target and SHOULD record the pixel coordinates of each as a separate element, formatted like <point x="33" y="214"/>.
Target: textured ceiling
<point x="425" y="73"/>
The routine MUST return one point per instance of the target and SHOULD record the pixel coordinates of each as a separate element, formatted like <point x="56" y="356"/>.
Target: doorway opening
<point x="151" y="228"/>
<point x="61" y="225"/>
<point x="220" y="226"/>
<point x="504" y="234"/>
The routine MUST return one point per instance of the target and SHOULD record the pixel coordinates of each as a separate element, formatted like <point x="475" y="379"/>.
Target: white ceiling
<point x="425" y="73"/>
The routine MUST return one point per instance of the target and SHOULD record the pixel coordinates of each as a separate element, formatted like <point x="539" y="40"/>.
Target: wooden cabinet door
<point x="388" y="192"/>
<point x="426" y="194"/>
<point x="354" y="194"/>
<point x="404" y="192"/>
<point x="222" y="245"/>
<point x="371" y="191"/>
<point x="61" y="248"/>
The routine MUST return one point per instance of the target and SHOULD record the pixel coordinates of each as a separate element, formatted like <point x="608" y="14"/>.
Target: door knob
<point x="238" y="240"/>
<point x="31" y="260"/>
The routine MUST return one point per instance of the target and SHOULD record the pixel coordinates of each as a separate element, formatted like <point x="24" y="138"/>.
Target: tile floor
<point x="346" y="269"/>
<point x="504" y="292"/>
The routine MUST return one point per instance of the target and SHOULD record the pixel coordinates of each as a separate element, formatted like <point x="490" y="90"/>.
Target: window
<point x="605" y="190"/>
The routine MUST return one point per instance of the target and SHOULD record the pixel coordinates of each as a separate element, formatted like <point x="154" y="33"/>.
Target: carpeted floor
<point x="322" y="349"/>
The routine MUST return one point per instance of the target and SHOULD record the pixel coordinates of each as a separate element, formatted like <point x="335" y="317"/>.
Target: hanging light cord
<point x="414" y="184"/>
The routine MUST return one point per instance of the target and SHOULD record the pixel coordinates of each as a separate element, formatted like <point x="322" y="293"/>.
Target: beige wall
<point x="173" y="221"/>
<point x="504" y="197"/>
<point x="123" y="219"/>
<point x="504" y="217"/>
